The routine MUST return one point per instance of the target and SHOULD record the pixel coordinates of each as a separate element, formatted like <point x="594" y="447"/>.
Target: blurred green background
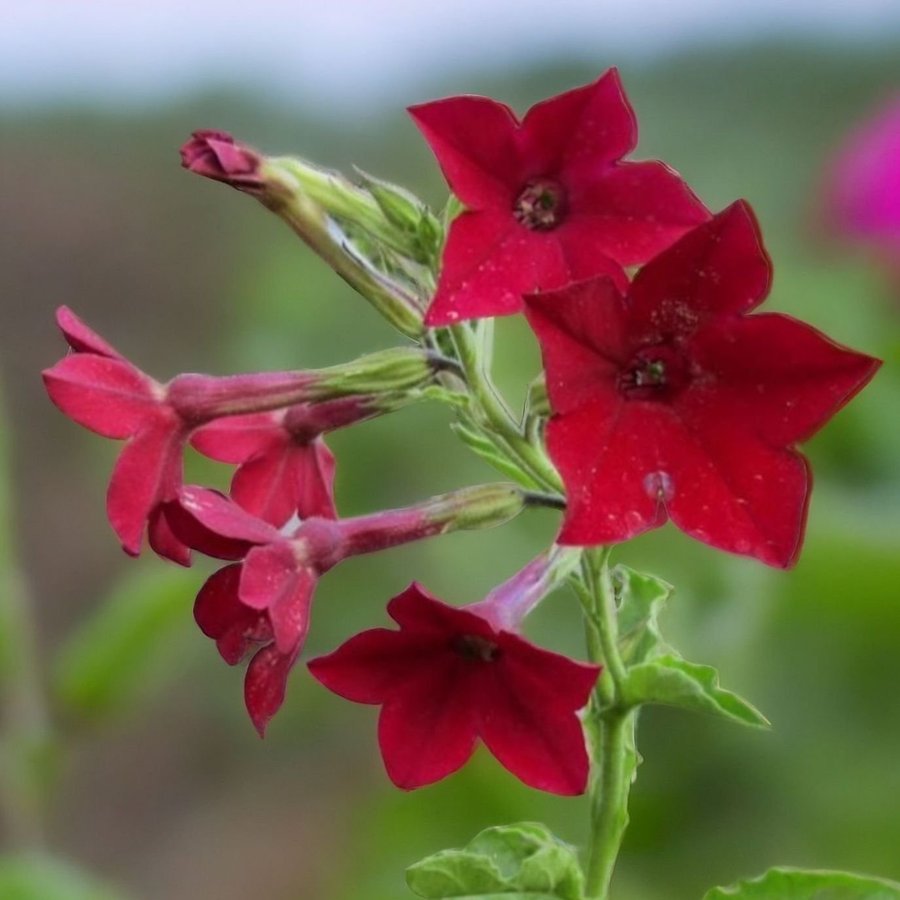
<point x="161" y="786"/>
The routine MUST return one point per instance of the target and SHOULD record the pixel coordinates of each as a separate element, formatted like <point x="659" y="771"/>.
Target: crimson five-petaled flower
<point x="671" y="402"/>
<point x="453" y="675"/>
<point x="549" y="199"/>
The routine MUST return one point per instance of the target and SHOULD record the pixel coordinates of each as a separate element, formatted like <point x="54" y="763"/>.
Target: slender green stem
<point x="610" y="723"/>
<point x="497" y="415"/>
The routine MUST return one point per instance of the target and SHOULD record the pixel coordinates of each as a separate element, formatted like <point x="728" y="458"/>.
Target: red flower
<point x="101" y="390"/>
<point x="98" y="388"/>
<point x="237" y="629"/>
<point x="452" y="675"/>
<point x="671" y="402"/>
<point x="263" y="602"/>
<point x="549" y="199"/>
<point x="216" y="155"/>
<point x="266" y="599"/>
<point x="285" y="467"/>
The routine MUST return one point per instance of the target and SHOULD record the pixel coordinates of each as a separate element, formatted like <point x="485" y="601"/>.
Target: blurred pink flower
<point x="863" y="188"/>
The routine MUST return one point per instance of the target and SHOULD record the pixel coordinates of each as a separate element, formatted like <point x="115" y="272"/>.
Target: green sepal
<point x="671" y="681"/>
<point x="641" y="599"/>
<point x="409" y="214"/>
<point x="123" y="649"/>
<point x="808" y="884"/>
<point x="42" y="877"/>
<point x="507" y="862"/>
<point x="452" y="208"/>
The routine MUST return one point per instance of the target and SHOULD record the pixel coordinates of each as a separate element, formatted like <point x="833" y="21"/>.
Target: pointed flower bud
<point x="216" y="155"/>
<point x="328" y="212"/>
<point x="451" y="676"/>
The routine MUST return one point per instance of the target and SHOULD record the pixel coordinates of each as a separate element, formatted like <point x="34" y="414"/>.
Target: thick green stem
<point x="610" y="724"/>
<point x="609" y="799"/>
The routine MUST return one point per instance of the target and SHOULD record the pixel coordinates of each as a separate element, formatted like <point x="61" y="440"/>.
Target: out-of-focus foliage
<point x="122" y="650"/>
<point x="45" y="878"/>
<point x="185" y="802"/>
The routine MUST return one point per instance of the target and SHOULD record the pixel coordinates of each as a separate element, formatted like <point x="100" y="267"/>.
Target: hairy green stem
<point x="610" y="724"/>
<point x="530" y="458"/>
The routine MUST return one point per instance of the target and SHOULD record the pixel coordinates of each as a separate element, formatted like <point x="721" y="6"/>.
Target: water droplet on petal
<point x="659" y="486"/>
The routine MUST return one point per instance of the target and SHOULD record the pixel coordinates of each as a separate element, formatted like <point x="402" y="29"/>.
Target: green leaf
<point x="804" y="884"/>
<point x="45" y="878"/>
<point x="123" y="648"/>
<point x="508" y="862"/>
<point x="672" y="681"/>
<point x="641" y="599"/>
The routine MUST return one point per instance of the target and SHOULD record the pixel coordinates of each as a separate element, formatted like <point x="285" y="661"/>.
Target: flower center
<point x="473" y="646"/>
<point x="654" y="373"/>
<point x="541" y="205"/>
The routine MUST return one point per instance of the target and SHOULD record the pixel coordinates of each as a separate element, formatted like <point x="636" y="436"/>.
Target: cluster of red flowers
<point x="668" y="400"/>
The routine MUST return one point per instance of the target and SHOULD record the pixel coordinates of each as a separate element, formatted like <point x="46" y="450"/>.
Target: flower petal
<point x="593" y="124"/>
<point x="375" y="664"/>
<point x="235" y="439"/>
<point x="527" y="704"/>
<point x="736" y="493"/>
<point x="719" y="268"/>
<point x="147" y="474"/>
<point x="581" y="330"/>
<point x="635" y="209"/>
<point x="215" y="525"/>
<point x="163" y="541"/>
<point x="609" y="455"/>
<point x="221" y="615"/>
<point x="781" y="378"/>
<point x="81" y="338"/>
<point x="272" y="580"/>
<point x="265" y="685"/>
<point x="109" y="396"/>
<point x="428" y="730"/>
<point x="313" y="468"/>
<point x="475" y="142"/>
<point x="287" y="479"/>
<point x="420" y="612"/>
<point x="491" y="260"/>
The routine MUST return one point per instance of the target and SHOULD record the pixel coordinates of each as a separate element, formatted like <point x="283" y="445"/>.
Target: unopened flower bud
<point x="216" y="155"/>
